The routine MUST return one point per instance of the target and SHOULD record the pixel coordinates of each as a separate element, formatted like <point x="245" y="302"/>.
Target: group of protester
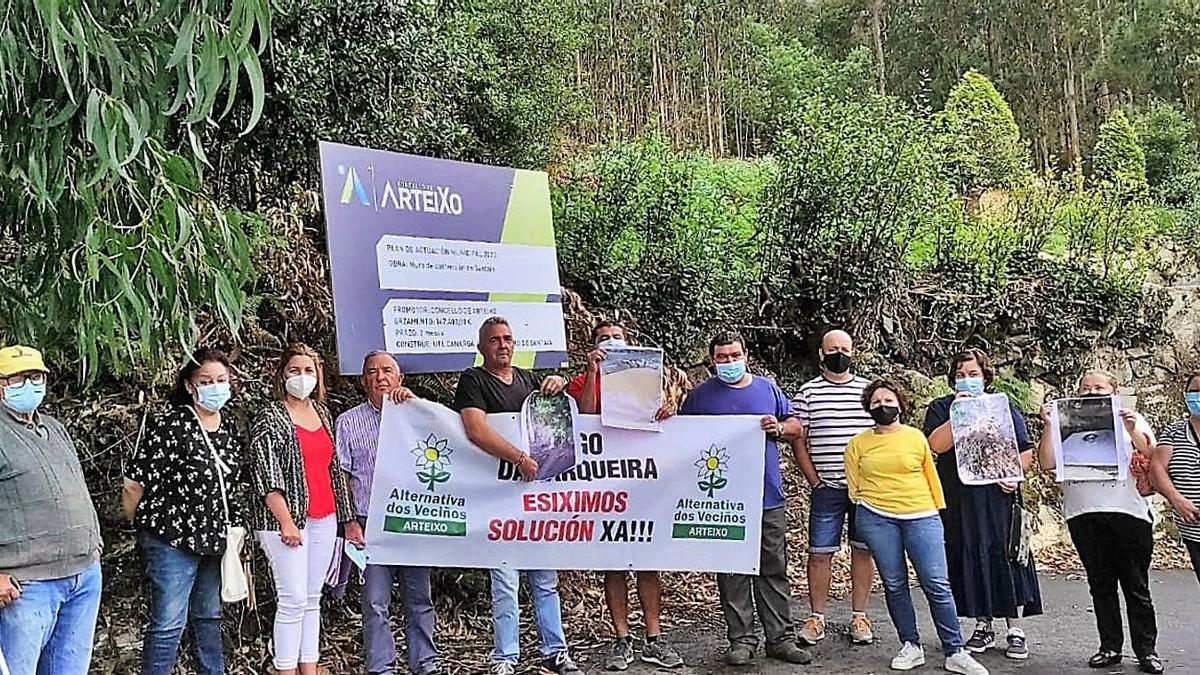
<point x="303" y="479"/>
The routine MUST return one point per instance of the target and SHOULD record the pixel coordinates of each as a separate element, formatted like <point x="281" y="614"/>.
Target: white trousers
<point x="299" y="573"/>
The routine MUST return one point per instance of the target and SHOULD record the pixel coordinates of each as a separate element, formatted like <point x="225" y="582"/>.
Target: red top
<point x="316" y="447"/>
<point x="575" y="388"/>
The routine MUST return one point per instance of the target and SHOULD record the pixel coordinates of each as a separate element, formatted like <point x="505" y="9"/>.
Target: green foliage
<point x="116" y="245"/>
<point x="785" y="77"/>
<point x="1169" y="140"/>
<point x="1118" y="160"/>
<point x="982" y="143"/>
<point x="668" y="236"/>
<point x="479" y="80"/>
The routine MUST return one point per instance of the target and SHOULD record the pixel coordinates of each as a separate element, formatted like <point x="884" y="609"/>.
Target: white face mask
<point x="300" y="386"/>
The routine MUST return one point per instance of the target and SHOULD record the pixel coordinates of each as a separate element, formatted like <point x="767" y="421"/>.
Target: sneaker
<point x="813" y="630"/>
<point x="560" y="664"/>
<point x="910" y="656"/>
<point x="983" y="639"/>
<point x="1017" y="649"/>
<point x="789" y="652"/>
<point x="739" y="655"/>
<point x="661" y="653"/>
<point x="860" y="630"/>
<point x="620" y="655"/>
<point x="962" y="662"/>
<point x="503" y="668"/>
<point x="1104" y="659"/>
<point x="1150" y="663"/>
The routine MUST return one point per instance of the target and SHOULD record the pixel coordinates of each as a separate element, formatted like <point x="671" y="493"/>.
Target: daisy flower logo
<point x="712" y="465"/>
<point x="433" y="456"/>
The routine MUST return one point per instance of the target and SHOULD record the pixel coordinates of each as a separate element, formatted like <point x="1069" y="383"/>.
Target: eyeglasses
<point x="18" y="379"/>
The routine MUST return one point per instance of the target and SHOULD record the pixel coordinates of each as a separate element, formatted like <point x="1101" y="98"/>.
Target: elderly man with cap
<point x="49" y="533"/>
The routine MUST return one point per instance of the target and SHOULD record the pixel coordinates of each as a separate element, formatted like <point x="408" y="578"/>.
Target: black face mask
<point x="1093" y="395"/>
<point x="836" y="362"/>
<point x="885" y="414"/>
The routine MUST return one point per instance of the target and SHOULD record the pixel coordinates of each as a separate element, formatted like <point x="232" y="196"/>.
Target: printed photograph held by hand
<point x="631" y="384"/>
<point x="548" y="428"/>
<point x="985" y="440"/>
<point x="1087" y="437"/>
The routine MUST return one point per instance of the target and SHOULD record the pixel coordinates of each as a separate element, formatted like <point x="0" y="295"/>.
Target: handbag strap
<point x="219" y="464"/>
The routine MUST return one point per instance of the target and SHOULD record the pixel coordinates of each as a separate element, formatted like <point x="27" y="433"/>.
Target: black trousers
<point x="1193" y="548"/>
<point x="1115" y="549"/>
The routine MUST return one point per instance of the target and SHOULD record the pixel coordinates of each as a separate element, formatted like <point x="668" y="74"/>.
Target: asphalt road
<point x="1060" y="642"/>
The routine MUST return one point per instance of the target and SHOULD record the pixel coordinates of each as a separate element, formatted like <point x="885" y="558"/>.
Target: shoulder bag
<point x="235" y="583"/>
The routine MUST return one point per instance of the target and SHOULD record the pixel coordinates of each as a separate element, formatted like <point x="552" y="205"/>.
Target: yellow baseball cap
<point x="18" y="359"/>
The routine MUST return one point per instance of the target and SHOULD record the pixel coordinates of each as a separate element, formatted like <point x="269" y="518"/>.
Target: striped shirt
<point x="832" y="414"/>
<point x="357" y="441"/>
<point x="1184" y="468"/>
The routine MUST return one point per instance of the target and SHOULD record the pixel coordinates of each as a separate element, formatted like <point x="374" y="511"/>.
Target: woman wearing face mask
<point x="1176" y="470"/>
<point x="891" y="477"/>
<point x="1112" y="528"/>
<point x="188" y="454"/>
<point x="301" y="498"/>
<point x="991" y="575"/>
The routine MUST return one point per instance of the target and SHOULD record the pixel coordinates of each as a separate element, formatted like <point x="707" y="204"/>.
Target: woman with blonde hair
<point x="300" y="498"/>
<point x="1112" y="528"/>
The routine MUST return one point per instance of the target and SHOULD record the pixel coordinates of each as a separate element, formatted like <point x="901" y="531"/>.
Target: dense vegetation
<point x="929" y="174"/>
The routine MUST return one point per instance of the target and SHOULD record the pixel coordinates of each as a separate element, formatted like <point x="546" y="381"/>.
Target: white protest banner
<point x="631" y="387"/>
<point x="689" y="498"/>
<point x="1089" y="439"/>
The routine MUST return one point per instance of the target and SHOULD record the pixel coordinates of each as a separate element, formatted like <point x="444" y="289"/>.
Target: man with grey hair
<point x="357" y="433"/>
<point x="500" y="387"/>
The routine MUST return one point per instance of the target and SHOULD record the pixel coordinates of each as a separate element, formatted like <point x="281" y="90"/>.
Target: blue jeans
<point x="829" y="509"/>
<point x="184" y="588"/>
<point x="49" y="629"/>
<point x="922" y="539"/>
<point x="506" y="613"/>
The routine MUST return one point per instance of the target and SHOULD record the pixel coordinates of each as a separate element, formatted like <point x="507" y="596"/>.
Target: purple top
<point x="357" y="434"/>
<point x="760" y="397"/>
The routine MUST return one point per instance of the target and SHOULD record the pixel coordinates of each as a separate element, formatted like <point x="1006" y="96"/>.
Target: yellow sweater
<point x="893" y="472"/>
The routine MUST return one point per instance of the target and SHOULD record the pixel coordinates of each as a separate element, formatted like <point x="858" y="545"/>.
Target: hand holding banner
<point x="630" y="501"/>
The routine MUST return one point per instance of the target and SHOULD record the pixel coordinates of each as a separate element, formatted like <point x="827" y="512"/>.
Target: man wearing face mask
<point x="585" y="389"/>
<point x="49" y="534"/>
<point x="734" y="391"/>
<point x="829" y="406"/>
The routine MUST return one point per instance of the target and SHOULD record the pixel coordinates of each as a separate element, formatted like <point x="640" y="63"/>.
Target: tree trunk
<point x="877" y="33"/>
<point x="1072" y="105"/>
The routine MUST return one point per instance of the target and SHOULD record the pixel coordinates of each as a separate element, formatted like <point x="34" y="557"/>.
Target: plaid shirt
<point x="357" y="434"/>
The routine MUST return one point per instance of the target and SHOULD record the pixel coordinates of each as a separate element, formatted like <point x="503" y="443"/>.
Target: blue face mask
<point x="613" y="343"/>
<point x="212" y="397"/>
<point x="732" y="372"/>
<point x="24" y="398"/>
<point x="971" y="385"/>
<point x="1192" y="398"/>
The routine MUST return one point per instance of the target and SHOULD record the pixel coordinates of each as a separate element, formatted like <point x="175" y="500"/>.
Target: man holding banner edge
<point x="499" y="387"/>
<point x="734" y="391"/>
<point x="585" y="388"/>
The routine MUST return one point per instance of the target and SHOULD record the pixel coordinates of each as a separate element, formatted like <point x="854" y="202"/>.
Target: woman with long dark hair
<point x="189" y="453"/>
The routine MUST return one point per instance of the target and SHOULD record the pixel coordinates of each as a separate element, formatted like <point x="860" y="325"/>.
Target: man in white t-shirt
<point x="830" y="409"/>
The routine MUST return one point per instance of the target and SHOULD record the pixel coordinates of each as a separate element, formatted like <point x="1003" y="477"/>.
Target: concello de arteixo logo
<point x="711" y="517"/>
<point x="398" y="194"/>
